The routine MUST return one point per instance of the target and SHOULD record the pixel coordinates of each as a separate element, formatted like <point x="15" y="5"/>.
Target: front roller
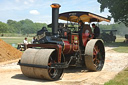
<point x="36" y="63"/>
<point x="94" y="55"/>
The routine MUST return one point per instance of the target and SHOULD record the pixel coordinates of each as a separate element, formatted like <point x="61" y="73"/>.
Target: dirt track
<point x="10" y="74"/>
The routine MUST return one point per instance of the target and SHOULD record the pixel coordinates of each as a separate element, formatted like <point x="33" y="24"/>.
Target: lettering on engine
<point x="41" y="36"/>
<point x="72" y="14"/>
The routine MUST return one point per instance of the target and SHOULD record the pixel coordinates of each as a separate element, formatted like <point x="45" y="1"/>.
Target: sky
<point x="40" y="10"/>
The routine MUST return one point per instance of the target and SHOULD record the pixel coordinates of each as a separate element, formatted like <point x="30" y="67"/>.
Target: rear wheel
<point x="94" y="55"/>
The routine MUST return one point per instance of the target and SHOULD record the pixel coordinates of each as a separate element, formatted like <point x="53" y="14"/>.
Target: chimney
<point x="55" y="16"/>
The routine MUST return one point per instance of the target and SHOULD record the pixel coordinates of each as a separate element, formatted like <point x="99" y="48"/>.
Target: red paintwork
<point x="75" y="41"/>
<point x="59" y="53"/>
<point x="67" y="47"/>
<point x="73" y="46"/>
<point x="85" y="38"/>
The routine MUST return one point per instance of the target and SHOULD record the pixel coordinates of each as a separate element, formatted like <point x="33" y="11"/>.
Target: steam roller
<point x="67" y="45"/>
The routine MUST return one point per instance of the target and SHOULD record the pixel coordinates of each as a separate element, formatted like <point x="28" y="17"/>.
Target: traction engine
<point x="57" y="50"/>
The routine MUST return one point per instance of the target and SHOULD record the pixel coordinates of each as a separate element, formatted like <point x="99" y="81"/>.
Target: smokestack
<point x="55" y="16"/>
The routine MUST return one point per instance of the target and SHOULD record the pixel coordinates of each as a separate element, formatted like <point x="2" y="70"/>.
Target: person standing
<point x="80" y="30"/>
<point x="33" y="40"/>
<point x="96" y="31"/>
<point x="81" y="26"/>
<point x="25" y="42"/>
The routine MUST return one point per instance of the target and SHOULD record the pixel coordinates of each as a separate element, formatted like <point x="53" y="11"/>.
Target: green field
<point x="120" y="79"/>
<point x="15" y="40"/>
<point x="119" y="45"/>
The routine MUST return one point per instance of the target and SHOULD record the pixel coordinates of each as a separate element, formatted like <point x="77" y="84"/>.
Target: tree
<point x="21" y="27"/>
<point x="3" y="27"/>
<point x="121" y="28"/>
<point x="13" y="26"/>
<point x="27" y="26"/>
<point x="117" y="8"/>
<point x="39" y="26"/>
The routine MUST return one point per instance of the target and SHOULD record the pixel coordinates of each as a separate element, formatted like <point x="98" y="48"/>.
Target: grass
<point x="15" y="40"/>
<point x="119" y="45"/>
<point x="120" y="79"/>
<point x="121" y="49"/>
<point x="120" y="39"/>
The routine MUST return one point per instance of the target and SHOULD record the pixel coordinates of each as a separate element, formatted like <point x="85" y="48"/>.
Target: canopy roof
<point x="75" y="16"/>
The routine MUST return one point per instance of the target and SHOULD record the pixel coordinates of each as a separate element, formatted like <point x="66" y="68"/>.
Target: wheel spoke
<point x="96" y="55"/>
<point x="53" y="72"/>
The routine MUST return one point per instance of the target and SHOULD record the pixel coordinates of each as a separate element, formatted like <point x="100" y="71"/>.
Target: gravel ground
<point x="10" y="74"/>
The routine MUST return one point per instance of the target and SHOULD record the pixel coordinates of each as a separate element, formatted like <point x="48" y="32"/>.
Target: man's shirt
<point x="96" y="32"/>
<point x="25" y="42"/>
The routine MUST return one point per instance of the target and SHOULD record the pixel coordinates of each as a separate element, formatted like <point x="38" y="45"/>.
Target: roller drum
<point x="39" y="57"/>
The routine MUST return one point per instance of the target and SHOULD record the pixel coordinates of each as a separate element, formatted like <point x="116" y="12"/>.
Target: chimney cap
<point x="55" y="5"/>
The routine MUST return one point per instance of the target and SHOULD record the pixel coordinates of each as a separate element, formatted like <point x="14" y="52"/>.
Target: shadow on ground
<point x="75" y="69"/>
<point x="68" y="70"/>
<point x="23" y="77"/>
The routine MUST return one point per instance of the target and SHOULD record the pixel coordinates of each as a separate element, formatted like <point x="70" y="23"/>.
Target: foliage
<point x="24" y="26"/>
<point x="3" y="27"/>
<point x="121" y="28"/>
<point x="117" y="8"/>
